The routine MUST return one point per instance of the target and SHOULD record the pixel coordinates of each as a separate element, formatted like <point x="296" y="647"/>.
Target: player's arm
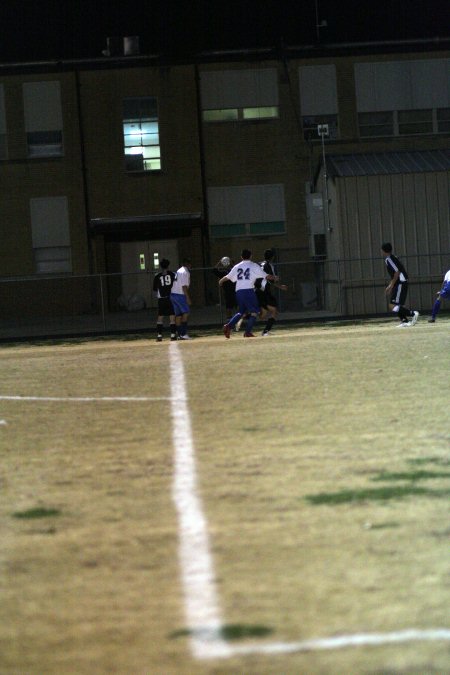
<point x="223" y="279"/>
<point x="187" y="295"/>
<point x="393" y="281"/>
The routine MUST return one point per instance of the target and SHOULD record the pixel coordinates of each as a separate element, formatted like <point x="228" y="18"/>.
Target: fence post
<point x="102" y="303"/>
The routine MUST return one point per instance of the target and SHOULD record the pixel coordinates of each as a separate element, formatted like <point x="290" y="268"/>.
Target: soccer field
<point x="219" y="506"/>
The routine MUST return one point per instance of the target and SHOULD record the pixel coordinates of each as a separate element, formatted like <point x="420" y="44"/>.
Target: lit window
<point x="239" y="114"/>
<point x="141" y="134"/>
<point x="225" y="115"/>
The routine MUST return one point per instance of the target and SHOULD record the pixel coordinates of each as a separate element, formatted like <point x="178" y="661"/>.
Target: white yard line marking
<point x="85" y="399"/>
<point x="197" y="571"/>
<point x="202" y="604"/>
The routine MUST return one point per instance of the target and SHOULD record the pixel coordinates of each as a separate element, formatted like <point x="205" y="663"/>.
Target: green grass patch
<point x="441" y="461"/>
<point x="412" y="476"/>
<point x="366" y="495"/>
<point x="38" y="512"/>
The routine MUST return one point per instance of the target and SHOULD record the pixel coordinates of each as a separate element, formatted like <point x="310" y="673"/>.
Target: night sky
<point x="34" y="30"/>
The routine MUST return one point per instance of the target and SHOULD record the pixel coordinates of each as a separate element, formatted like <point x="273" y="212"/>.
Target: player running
<point x="245" y="274"/>
<point x="443" y="293"/>
<point x="398" y="288"/>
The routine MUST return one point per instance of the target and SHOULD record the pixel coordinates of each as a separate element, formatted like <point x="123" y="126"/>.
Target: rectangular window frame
<point x="248" y="114"/>
<point x="43" y="119"/>
<point x="141" y="135"/>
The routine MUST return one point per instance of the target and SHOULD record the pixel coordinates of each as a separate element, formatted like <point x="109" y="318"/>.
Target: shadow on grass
<point x="37" y="512"/>
<point x="412" y="476"/>
<point x="230" y="631"/>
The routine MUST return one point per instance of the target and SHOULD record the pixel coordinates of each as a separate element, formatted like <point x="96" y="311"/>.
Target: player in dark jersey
<point x="162" y="286"/>
<point x="397" y="289"/>
<point x="266" y="298"/>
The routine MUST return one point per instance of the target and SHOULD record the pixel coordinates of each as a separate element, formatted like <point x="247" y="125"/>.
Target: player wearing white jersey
<point x="181" y="299"/>
<point x="244" y="274"/>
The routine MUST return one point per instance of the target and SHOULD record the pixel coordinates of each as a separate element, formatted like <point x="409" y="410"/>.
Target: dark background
<point x="34" y="30"/>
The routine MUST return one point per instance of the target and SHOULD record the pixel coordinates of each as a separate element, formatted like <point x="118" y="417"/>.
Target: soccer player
<point x="397" y="290"/>
<point x="266" y="298"/>
<point x="443" y="293"/>
<point x="162" y="286"/>
<point x="223" y="266"/>
<point x="181" y="299"/>
<point x="245" y="274"/>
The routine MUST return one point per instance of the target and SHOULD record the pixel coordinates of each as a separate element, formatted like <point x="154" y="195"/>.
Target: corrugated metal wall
<point x="410" y="210"/>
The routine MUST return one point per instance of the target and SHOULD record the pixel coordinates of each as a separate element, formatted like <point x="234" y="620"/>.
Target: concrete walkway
<point x="127" y="322"/>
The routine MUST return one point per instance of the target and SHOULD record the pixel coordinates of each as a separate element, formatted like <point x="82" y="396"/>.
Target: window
<point x="246" y="211"/>
<point x="318" y="100"/>
<point x="239" y="95"/>
<point x="51" y="235"/>
<point x="3" y="143"/>
<point x="141" y="134"/>
<point x="415" y="122"/>
<point x="43" y="119"/>
<point x="400" y="98"/>
<point x="443" y="120"/>
<point x="376" y="124"/>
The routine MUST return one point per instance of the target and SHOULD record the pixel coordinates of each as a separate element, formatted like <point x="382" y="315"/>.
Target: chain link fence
<point x="101" y="303"/>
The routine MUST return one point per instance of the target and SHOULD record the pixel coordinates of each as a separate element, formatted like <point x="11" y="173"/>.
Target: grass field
<point x="262" y="506"/>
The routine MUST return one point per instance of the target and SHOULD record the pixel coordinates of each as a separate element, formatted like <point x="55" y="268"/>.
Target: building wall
<point x="196" y="156"/>
<point x="113" y="192"/>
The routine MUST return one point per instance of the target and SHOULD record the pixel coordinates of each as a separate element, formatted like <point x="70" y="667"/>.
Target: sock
<point x="436" y="308"/>
<point x="250" y="323"/>
<point x="183" y="328"/>
<point x="159" y="329"/>
<point x="234" y="319"/>
<point x="269" y="324"/>
<point x="404" y="313"/>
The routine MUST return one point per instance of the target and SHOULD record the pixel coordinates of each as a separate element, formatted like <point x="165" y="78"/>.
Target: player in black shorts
<point x="397" y="290"/>
<point x="267" y="300"/>
<point x="162" y="286"/>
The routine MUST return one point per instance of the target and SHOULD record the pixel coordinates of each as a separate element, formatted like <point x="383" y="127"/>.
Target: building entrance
<point x="140" y="262"/>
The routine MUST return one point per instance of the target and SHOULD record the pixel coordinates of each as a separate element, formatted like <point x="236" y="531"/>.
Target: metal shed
<point x="401" y="197"/>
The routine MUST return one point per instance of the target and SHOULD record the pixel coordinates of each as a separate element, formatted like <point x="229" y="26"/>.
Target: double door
<point x="139" y="264"/>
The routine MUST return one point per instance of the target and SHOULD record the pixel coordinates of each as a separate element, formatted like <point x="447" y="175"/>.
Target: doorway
<point x="139" y="264"/>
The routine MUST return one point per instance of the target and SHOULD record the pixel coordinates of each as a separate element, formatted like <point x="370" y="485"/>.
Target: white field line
<point x="199" y="585"/>
<point x="202" y="604"/>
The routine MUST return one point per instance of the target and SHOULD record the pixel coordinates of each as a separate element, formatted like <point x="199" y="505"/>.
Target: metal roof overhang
<point x="150" y="226"/>
<point x="386" y="163"/>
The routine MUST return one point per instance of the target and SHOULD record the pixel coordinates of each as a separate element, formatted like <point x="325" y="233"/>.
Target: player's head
<point x="269" y="253"/>
<point x="164" y="264"/>
<point x="246" y="254"/>
<point x="386" y="247"/>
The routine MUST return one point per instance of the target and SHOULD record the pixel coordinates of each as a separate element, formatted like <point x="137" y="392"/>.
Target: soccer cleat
<point x="185" y="337"/>
<point x="265" y="333"/>
<point x="415" y="318"/>
<point x="173" y="338"/>
<point x="404" y="324"/>
<point x="227" y="330"/>
<point x="159" y="338"/>
<point x="431" y="320"/>
<point x="248" y="335"/>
